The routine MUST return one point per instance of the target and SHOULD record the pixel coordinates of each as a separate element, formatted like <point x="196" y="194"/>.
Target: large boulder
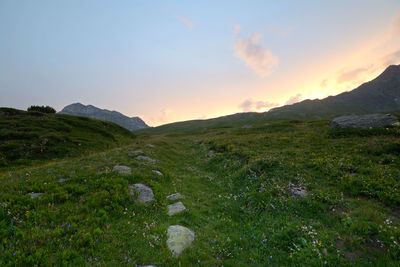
<point x="364" y="121"/>
<point x="179" y="238"/>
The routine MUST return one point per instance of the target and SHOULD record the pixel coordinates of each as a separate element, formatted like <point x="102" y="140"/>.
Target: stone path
<point x="122" y="169"/>
<point x="146" y="195"/>
<point x="179" y="238"/>
<point x="175" y="208"/>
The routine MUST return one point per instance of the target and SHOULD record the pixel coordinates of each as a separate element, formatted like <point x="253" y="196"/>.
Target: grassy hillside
<point x="32" y="137"/>
<point x="236" y="184"/>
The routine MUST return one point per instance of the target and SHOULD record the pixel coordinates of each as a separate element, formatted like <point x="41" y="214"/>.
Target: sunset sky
<point x="168" y="61"/>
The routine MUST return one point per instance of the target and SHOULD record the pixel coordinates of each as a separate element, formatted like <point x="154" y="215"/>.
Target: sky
<point x="168" y="61"/>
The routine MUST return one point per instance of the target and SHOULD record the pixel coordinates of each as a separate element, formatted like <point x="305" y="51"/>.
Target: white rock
<point x="179" y="238"/>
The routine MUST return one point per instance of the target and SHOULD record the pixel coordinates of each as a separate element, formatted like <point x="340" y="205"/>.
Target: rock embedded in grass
<point x="135" y="153"/>
<point x="150" y="145"/>
<point x="158" y="172"/>
<point x="145" y="158"/>
<point x="298" y="192"/>
<point x="62" y="180"/>
<point x="175" y="208"/>
<point x="122" y="169"/>
<point x="175" y="196"/>
<point x="179" y="238"/>
<point x="36" y="195"/>
<point x="146" y="195"/>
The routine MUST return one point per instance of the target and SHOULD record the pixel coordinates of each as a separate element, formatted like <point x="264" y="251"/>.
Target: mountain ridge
<point x="90" y="111"/>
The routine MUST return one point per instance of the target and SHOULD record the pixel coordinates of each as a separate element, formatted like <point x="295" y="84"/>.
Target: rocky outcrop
<point x="364" y="122"/>
<point x="77" y="109"/>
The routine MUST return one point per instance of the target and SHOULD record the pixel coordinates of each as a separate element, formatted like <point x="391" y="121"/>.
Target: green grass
<point x="34" y="137"/>
<point x="236" y="186"/>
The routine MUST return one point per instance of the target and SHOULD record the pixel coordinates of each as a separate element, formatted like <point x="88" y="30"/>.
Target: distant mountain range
<point x="77" y="109"/>
<point x="379" y="95"/>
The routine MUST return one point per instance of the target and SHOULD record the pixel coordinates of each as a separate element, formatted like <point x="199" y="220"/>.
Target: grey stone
<point x="135" y="153"/>
<point x="179" y="238"/>
<point x="150" y="145"/>
<point x="158" y="172"/>
<point x="145" y="158"/>
<point x="146" y="195"/>
<point x="62" y="180"/>
<point x="247" y="127"/>
<point x="122" y="169"/>
<point x="175" y="208"/>
<point x="364" y="121"/>
<point x="298" y="192"/>
<point x="35" y="195"/>
<point x="175" y="196"/>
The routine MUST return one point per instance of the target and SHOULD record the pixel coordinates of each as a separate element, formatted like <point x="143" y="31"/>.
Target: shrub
<point x="42" y="109"/>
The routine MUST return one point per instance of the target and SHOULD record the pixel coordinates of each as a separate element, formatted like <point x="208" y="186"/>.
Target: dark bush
<point x="43" y="109"/>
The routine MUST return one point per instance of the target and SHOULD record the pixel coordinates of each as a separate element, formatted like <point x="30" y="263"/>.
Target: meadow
<point x="236" y="182"/>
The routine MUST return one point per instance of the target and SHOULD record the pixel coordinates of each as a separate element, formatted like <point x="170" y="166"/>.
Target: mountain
<point x="77" y="109"/>
<point x="379" y="95"/>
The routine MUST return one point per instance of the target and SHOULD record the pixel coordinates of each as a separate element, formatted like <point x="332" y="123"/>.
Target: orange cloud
<point x="255" y="55"/>
<point x="237" y="28"/>
<point x="187" y="21"/>
<point x="250" y="105"/>
<point x="294" y="99"/>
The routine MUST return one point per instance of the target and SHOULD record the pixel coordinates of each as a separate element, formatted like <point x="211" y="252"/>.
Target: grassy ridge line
<point x="28" y="138"/>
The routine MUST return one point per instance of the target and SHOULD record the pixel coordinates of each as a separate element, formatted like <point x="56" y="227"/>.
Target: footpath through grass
<point x="236" y="185"/>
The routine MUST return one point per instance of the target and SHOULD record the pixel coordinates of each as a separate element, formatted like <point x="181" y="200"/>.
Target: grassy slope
<point x="32" y="137"/>
<point x="236" y="186"/>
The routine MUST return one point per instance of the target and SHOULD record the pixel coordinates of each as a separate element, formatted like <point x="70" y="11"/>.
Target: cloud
<point x="187" y="21"/>
<point x="293" y="99"/>
<point x="237" y="28"/>
<point x="183" y="19"/>
<point x="391" y="59"/>
<point x="352" y="75"/>
<point x="255" y="55"/>
<point x="250" y="105"/>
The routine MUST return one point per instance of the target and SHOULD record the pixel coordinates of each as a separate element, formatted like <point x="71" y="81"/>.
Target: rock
<point x="175" y="196"/>
<point x="62" y="180"/>
<point x="364" y="121"/>
<point x="150" y="145"/>
<point x="175" y="208"/>
<point x="158" y="172"/>
<point x="135" y="153"/>
<point x="247" y="127"/>
<point x="298" y="192"/>
<point x="179" y="238"/>
<point x="35" y="195"/>
<point x="122" y="169"/>
<point x="145" y="158"/>
<point x="146" y="195"/>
